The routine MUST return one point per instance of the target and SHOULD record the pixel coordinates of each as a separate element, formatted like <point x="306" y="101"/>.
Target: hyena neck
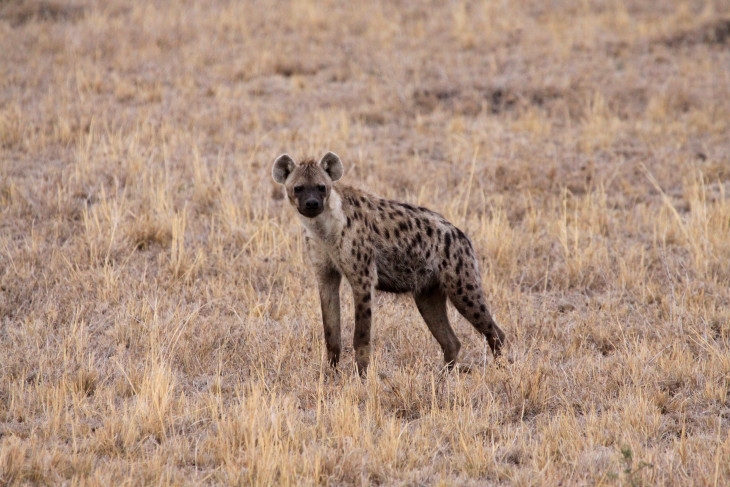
<point x="328" y="225"/>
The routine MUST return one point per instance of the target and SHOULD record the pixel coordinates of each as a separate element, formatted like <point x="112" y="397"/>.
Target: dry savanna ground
<point x="159" y="323"/>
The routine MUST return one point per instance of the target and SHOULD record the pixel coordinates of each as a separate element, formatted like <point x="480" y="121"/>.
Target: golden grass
<point x="159" y="323"/>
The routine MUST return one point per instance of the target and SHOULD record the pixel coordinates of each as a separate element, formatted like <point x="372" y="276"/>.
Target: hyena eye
<point x="298" y="189"/>
<point x="321" y="188"/>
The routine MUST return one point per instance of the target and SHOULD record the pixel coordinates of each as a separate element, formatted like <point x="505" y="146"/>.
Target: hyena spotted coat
<point x="386" y="245"/>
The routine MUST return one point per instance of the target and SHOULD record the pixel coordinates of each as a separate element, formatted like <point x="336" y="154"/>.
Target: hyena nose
<point x="312" y="204"/>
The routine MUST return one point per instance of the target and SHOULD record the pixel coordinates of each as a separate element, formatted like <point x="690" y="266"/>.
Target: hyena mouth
<point x="310" y="213"/>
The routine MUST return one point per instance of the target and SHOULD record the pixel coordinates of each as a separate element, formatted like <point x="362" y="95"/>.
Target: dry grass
<point x="159" y="324"/>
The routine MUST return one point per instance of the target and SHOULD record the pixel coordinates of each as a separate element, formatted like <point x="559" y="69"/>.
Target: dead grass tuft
<point x="145" y="231"/>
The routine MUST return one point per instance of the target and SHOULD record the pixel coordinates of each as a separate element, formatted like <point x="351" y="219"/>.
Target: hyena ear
<point x="332" y="165"/>
<point x="283" y="166"/>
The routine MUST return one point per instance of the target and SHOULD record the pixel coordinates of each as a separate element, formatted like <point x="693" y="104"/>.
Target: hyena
<point x="386" y="245"/>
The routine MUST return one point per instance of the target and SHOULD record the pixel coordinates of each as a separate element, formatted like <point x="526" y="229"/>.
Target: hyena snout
<point x="310" y="205"/>
<point x="310" y="201"/>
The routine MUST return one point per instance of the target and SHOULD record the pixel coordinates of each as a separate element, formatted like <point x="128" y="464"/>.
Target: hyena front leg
<point x="363" y="319"/>
<point x="329" y="296"/>
<point x="362" y="279"/>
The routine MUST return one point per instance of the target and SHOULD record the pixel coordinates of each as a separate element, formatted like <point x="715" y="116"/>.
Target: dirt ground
<point x="159" y="323"/>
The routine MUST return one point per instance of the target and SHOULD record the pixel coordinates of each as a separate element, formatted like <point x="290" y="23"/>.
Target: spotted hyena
<point x="386" y="245"/>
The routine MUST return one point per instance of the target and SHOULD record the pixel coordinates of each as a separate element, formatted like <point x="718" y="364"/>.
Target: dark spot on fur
<point x="483" y="308"/>
<point x="396" y="233"/>
<point x="366" y="298"/>
<point x="447" y="239"/>
<point x="470" y="287"/>
<point x="356" y="204"/>
<point x="477" y="315"/>
<point x="418" y="223"/>
<point x="349" y="222"/>
<point x="368" y="313"/>
<point x="429" y="231"/>
<point x="403" y="226"/>
<point x="386" y="233"/>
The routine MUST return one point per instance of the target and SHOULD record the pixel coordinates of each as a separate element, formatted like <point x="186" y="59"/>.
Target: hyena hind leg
<point x="470" y="302"/>
<point x="432" y="306"/>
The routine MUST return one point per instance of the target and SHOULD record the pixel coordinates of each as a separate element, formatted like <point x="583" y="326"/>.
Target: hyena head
<point x="308" y="184"/>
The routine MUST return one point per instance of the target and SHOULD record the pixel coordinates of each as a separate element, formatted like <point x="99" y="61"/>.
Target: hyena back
<point x="386" y="245"/>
